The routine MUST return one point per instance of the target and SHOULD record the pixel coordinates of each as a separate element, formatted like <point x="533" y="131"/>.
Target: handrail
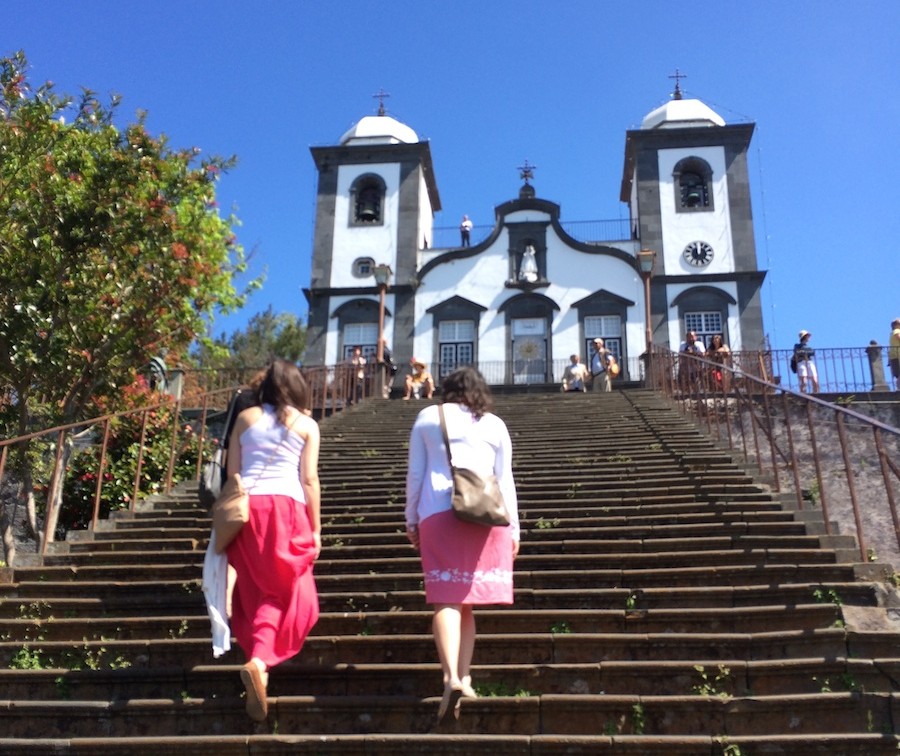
<point x="804" y="436"/>
<point x="829" y="451"/>
<point x="60" y="436"/>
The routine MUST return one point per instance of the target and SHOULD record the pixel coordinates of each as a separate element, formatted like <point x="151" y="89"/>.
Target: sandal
<point x="257" y="701"/>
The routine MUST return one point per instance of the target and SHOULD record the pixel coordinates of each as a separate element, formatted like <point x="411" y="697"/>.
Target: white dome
<point x="379" y="130"/>
<point x="680" y="114"/>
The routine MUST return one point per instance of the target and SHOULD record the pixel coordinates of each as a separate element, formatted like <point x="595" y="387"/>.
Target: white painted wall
<point x="352" y="242"/>
<point x="426" y="214"/>
<point x="680" y="229"/>
<point x="574" y="276"/>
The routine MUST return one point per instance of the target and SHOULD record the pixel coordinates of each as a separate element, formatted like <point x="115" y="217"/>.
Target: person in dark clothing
<point x="806" y="365"/>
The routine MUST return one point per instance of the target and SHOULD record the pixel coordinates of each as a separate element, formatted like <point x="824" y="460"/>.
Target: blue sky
<point x="492" y="83"/>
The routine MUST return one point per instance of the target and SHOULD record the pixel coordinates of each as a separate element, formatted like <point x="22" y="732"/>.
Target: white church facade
<point x="520" y="301"/>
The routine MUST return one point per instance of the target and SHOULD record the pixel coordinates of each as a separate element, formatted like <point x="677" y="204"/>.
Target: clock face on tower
<point x="698" y="254"/>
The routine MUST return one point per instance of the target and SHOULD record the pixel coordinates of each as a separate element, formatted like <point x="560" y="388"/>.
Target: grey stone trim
<point x="698" y="291"/>
<point x="326" y="158"/>
<point x="592" y="303"/>
<point x="455" y="305"/>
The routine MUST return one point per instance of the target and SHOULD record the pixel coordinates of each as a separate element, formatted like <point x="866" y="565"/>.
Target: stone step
<point x="153" y="598"/>
<point x="35" y="629"/>
<point x="822" y="713"/>
<point x="500" y="648"/>
<point x="731" y="677"/>
<point x="380" y="744"/>
<point x="560" y="556"/>
<point x="49" y="581"/>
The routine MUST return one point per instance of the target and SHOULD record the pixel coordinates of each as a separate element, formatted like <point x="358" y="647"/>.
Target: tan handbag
<point x="613" y="369"/>
<point x="230" y="512"/>
<point x="475" y="499"/>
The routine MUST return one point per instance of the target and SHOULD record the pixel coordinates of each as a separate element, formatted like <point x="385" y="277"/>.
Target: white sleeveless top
<point x="270" y="457"/>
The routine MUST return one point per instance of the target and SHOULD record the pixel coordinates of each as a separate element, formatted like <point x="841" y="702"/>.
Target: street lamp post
<point x="646" y="257"/>
<point x="382" y="275"/>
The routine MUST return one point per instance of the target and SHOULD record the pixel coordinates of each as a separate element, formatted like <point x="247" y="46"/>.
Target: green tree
<point x="112" y="248"/>
<point x="266" y="335"/>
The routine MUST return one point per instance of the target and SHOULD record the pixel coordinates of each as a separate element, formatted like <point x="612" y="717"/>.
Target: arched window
<point x="693" y="185"/>
<point x="367" y="200"/>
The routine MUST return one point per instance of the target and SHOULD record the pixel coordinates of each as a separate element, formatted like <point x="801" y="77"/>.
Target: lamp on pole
<point x="646" y="258"/>
<point x="382" y="275"/>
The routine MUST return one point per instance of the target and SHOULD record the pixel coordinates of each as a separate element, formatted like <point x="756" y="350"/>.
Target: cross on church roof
<point x="526" y="171"/>
<point x="678" y="76"/>
<point x="380" y="95"/>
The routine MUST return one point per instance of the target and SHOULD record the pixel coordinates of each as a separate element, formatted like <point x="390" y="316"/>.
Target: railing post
<point x="876" y="367"/>
<point x="99" y="487"/>
<point x="820" y="481"/>
<point x="176" y="424"/>
<point x="851" y="487"/>
<point x="771" y="436"/>
<point x="793" y="455"/>
<point x="52" y="496"/>
<point x="202" y="439"/>
<point x="140" y="460"/>
<point x="889" y="489"/>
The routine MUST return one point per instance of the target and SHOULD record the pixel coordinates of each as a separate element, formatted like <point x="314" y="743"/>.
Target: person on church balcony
<point x="689" y="370"/>
<point x="894" y="352"/>
<point x="465" y="231"/>
<point x="601" y="359"/>
<point x="720" y="354"/>
<point x="419" y="382"/>
<point x="357" y="376"/>
<point x="389" y="367"/>
<point x="575" y="376"/>
<point x="804" y="356"/>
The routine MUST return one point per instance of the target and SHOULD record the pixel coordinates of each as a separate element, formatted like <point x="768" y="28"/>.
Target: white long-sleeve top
<point x="479" y="444"/>
<point x="215" y="591"/>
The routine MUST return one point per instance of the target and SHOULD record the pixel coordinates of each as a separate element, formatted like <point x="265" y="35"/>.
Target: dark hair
<point x="467" y="386"/>
<point x="284" y="386"/>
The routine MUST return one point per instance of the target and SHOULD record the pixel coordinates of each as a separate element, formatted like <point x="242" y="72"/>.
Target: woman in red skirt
<point x="464" y="564"/>
<point x="275" y="447"/>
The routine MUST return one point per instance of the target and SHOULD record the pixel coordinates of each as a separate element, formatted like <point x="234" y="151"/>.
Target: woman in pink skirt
<point x="275" y="447"/>
<point x="464" y="564"/>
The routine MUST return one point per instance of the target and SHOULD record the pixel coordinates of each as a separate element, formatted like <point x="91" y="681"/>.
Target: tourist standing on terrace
<point x="275" y="448"/>
<point x="464" y="564"/>
<point x="806" y="364"/>
<point x="894" y="352"/>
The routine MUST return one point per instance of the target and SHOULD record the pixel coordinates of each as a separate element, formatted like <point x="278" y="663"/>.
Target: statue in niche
<point x="528" y="270"/>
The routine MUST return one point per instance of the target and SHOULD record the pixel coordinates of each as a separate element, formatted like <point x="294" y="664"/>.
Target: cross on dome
<point x="380" y="95"/>
<point x="526" y="171"/>
<point x="678" y="76"/>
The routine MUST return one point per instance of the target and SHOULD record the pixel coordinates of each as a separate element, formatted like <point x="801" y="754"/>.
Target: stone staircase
<point x="666" y="603"/>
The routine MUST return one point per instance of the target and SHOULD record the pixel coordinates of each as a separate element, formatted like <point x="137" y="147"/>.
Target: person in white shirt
<point x="464" y="564"/>
<point x="600" y="362"/>
<point x="690" y="370"/>
<point x="465" y="231"/>
<point x="575" y="375"/>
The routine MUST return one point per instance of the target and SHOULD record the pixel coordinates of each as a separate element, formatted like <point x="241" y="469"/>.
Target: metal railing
<point x="829" y="457"/>
<point x="54" y="450"/>
<point x="599" y="231"/>
<point x="840" y="370"/>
